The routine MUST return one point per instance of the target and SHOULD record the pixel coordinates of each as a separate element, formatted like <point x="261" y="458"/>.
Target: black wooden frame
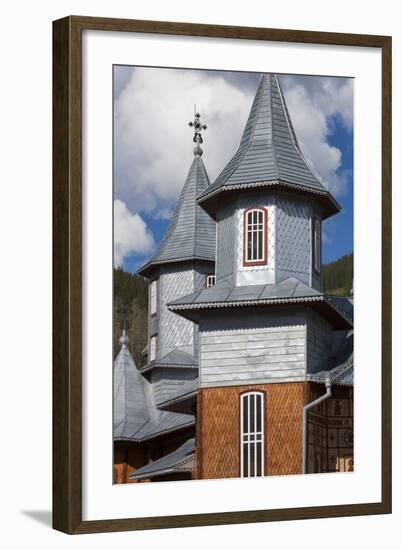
<point x="67" y="273"/>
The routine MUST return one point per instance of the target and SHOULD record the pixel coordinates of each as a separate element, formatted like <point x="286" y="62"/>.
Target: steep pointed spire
<point x="191" y="234"/>
<point x="269" y="153"/>
<point x="131" y="409"/>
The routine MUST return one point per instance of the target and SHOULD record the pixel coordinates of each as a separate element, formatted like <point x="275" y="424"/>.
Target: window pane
<point x="245" y="471"/>
<point x="259" y="413"/>
<point x="259" y="459"/>
<point x="252" y="460"/>
<point x="245" y="414"/>
<point x="252" y="413"/>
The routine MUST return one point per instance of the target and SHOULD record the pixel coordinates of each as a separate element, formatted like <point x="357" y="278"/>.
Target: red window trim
<point x="245" y="262"/>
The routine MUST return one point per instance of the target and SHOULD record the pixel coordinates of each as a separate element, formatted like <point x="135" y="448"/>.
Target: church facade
<point x="248" y="370"/>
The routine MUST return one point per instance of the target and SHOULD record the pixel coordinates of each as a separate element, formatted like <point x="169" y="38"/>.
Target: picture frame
<point x="67" y="273"/>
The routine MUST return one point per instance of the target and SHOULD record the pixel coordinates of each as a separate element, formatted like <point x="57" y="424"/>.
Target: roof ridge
<point x="273" y="134"/>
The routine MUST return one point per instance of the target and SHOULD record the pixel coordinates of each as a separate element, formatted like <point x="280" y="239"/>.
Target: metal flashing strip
<point x="267" y="183"/>
<point x="273" y="301"/>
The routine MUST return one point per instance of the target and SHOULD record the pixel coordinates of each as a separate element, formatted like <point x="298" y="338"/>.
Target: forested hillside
<point x="338" y="276"/>
<point x="130" y="310"/>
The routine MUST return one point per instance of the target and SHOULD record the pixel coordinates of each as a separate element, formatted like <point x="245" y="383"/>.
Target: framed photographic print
<point x="222" y="237"/>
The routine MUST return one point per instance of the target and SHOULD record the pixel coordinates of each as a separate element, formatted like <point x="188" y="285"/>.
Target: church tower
<point x="266" y="330"/>
<point x="183" y="263"/>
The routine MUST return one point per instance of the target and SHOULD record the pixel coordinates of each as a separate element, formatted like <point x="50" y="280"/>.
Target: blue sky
<point x="153" y="145"/>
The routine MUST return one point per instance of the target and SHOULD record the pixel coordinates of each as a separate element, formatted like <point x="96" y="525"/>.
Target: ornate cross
<point x="198" y="126"/>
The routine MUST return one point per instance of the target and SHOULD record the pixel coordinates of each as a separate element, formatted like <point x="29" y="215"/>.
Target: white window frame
<point x="153" y="348"/>
<point x="255" y="231"/>
<point x="153" y="297"/>
<point x="209" y="277"/>
<point x="250" y="438"/>
<point x="317" y="243"/>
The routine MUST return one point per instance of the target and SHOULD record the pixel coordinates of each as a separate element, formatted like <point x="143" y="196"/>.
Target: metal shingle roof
<point x="180" y="460"/>
<point x="289" y="291"/>
<point x="341" y="370"/>
<point x="135" y="415"/>
<point x="268" y="153"/>
<point x="191" y="233"/>
<point x="186" y="390"/>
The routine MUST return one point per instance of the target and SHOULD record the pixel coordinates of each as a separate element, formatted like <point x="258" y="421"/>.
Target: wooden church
<point x="249" y="366"/>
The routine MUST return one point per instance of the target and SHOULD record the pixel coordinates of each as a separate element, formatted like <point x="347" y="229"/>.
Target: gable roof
<point x="268" y="153"/>
<point x="135" y="415"/>
<point x="191" y="233"/>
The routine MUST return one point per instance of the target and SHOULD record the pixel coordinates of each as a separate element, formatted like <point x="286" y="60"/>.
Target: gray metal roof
<point x="289" y="291"/>
<point x="136" y="417"/>
<point x="191" y="234"/>
<point x="341" y="370"/>
<point x="268" y="153"/>
<point x="186" y="390"/>
<point x="180" y="460"/>
<point x="177" y="358"/>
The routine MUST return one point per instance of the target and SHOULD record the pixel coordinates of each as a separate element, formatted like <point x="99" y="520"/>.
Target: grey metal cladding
<point x="135" y="415"/>
<point x="319" y="341"/>
<point x="253" y="349"/>
<point x="174" y="332"/>
<point x="178" y="460"/>
<point x="226" y="243"/>
<point x="293" y="254"/>
<point x="191" y="233"/>
<point x="269" y="150"/>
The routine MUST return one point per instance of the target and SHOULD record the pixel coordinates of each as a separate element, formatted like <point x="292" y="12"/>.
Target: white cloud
<point x="313" y="103"/>
<point x="131" y="235"/>
<point x="153" y="141"/>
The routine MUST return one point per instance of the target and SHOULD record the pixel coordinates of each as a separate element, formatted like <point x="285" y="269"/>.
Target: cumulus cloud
<point x="315" y="103"/>
<point x="153" y="147"/>
<point x="131" y="235"/>
<point x="153" y="143"/>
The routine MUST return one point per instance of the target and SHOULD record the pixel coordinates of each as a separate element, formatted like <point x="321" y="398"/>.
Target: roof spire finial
<point x="198" y="127"/>
<point x="124" y="340"/>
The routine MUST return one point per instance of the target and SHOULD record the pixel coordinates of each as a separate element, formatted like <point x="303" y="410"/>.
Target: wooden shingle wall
<point x="218" y="430"/>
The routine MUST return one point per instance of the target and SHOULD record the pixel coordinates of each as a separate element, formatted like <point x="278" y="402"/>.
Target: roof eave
<point x="148" y="269"/>
<point x="153" y="436"/>
<point x="209" y="201"/>
<point x="320" y="303"/>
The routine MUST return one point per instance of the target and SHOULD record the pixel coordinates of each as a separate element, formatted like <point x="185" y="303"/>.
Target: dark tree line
<point x="130" y="311"/>
<point x="338" y="276"/>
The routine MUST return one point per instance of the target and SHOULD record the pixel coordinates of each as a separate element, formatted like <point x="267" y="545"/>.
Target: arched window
<point x="210" y="280"/>
<point x="317" y="245"/>
<point x="153" y="347"/>
<point x="255" y="236"/>
<point x="252" y="434"/>
<point x="153" y="297"/>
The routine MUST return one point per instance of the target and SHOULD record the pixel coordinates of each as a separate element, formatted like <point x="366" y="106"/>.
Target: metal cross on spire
<point x="198" y="128"/>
